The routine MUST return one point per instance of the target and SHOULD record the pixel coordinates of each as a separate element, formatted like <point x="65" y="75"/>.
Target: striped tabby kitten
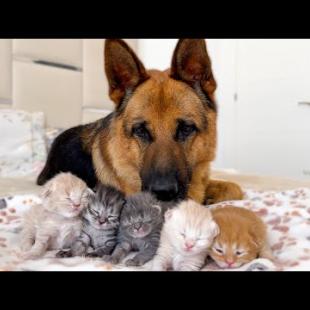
<point x="140" y="226"/>
<point x="100" y="224"/>
<point x="55" y="223"/>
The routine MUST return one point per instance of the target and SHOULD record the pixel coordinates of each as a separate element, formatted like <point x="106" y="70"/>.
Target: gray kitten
<point x="100" y="222"/>
<point x="140" y="226"/>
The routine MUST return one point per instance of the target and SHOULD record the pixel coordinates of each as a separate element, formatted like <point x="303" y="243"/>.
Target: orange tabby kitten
<point x="242" y="237"/>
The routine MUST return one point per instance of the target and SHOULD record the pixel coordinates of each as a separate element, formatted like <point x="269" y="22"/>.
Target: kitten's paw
<point x="28" y="255"/>
<point x="257" y="267"/>
<point x="110" y="259"/>
<point x="106" y="258"/>
<point x="64" y="253"/>
<point x="26" y="246"/>
<point x="92" y="254"/>
<point x="133" y="262"/>
<point x="159" y="267"/>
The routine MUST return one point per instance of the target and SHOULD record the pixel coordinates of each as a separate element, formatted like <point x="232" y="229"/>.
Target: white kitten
<point x="187" y="234"/>
<point x="56" y="223"/>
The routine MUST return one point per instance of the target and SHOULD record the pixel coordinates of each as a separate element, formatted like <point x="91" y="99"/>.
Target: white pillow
<point x="50" y="135"/>
<point x="22" y="144"/>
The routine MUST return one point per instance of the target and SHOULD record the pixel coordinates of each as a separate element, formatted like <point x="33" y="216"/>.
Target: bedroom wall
<point x="5" y="71"/>
<point x="64" y="78"/>
<point x="263" y="98"/>
<point x="263" y="93"/>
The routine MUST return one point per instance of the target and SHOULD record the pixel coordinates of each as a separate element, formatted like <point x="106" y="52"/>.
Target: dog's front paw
<point x="219" y="191"/>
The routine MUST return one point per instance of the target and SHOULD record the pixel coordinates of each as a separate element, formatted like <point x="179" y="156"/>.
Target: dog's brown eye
<point x="140" y="131"/>
<point x="184" y="130"/>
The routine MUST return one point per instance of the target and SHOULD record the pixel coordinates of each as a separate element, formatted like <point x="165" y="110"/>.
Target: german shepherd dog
<point x="161" y="137"/>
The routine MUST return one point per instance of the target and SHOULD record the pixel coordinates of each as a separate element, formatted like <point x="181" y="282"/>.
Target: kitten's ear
<point x="253" y="239"/>
<point x="157" y="208"/>
<point x="47" y="190"/>
<point x="123" y="202"/>
<point x="90" y="193"/>
<point x="254" y="242"/>
<point x="168" y="214"/>
<point x="215" y="229"/>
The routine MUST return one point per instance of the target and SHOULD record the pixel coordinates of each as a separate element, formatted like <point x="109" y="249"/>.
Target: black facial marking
<point x="123" y="104"/>
<point x="184" y="130"/>
<point x="204" y="96"/>
<point x="141" y="132"/>
<point x="168" y="186"/>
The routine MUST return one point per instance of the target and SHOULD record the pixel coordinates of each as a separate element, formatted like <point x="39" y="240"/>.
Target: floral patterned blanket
<point x="286" y="213"/>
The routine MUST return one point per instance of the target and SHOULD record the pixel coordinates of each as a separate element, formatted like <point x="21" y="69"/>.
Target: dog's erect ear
<point x="123" y="69"/>
<point x="191" y="64"/>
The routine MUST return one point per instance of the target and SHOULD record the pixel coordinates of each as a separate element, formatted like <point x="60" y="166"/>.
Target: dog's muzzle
<point x="164" y="186"/>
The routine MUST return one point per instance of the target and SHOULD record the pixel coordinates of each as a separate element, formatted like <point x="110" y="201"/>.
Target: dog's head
<point x="166" y="121"/>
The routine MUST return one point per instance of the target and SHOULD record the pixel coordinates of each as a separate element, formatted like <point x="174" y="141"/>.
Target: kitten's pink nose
<point x="189" y="244"/>
<point x="229" y="262"/>
<point x="76" y="205"/>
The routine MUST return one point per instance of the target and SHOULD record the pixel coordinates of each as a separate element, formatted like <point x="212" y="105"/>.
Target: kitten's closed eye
<point x="240" y="252"/>
<point x="200" y="238"/>
<point x="218" y="250"/>
<point x="93" y="212"/>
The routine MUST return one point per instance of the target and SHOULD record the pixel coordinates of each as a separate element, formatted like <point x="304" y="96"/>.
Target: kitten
<point x="242" y="237"/>
<point x="140" y="226"/>
<point x="187" y="234"/>
<point x="100" y="224"/>
<point x="55" y="223"/>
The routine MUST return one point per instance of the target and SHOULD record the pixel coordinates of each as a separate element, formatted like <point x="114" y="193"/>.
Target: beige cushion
<point x="91" y="115"/>
<point x="56" y="92"/>
<point x="95" y="92"/>
<point x="5" y="70"/>
<point x="65" y="51"/>
<point x="22" y="145"/>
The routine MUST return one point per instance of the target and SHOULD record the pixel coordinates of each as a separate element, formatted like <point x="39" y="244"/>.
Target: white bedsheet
<point x="287" y="214"/>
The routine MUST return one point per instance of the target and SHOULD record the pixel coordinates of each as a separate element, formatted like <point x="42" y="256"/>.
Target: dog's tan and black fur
<point x="161" y="136"/>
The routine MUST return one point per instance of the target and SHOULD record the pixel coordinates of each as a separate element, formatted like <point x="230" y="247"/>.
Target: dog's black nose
<point x="164" y="187"/>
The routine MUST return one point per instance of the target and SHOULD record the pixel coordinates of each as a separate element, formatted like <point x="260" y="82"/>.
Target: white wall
<point x="156" y="53"/>
<point x="5" y="71"/>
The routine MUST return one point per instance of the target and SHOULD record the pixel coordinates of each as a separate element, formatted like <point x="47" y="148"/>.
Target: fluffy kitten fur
<point x="55" y="223"/>
<point x="187" y="234"/>
<point x="100" y="224"/>
<point x="242" y="237"/>
<point x="140" y="226"/>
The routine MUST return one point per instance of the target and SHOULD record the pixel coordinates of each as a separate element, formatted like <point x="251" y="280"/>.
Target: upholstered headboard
<point x="64" y="78"/>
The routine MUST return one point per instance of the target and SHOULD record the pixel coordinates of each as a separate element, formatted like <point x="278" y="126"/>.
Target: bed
<point x="283" y="204"/>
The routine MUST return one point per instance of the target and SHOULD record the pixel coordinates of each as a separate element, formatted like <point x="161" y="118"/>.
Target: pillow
<point x="22" y="143"/>
<point x="50" y="135"/>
